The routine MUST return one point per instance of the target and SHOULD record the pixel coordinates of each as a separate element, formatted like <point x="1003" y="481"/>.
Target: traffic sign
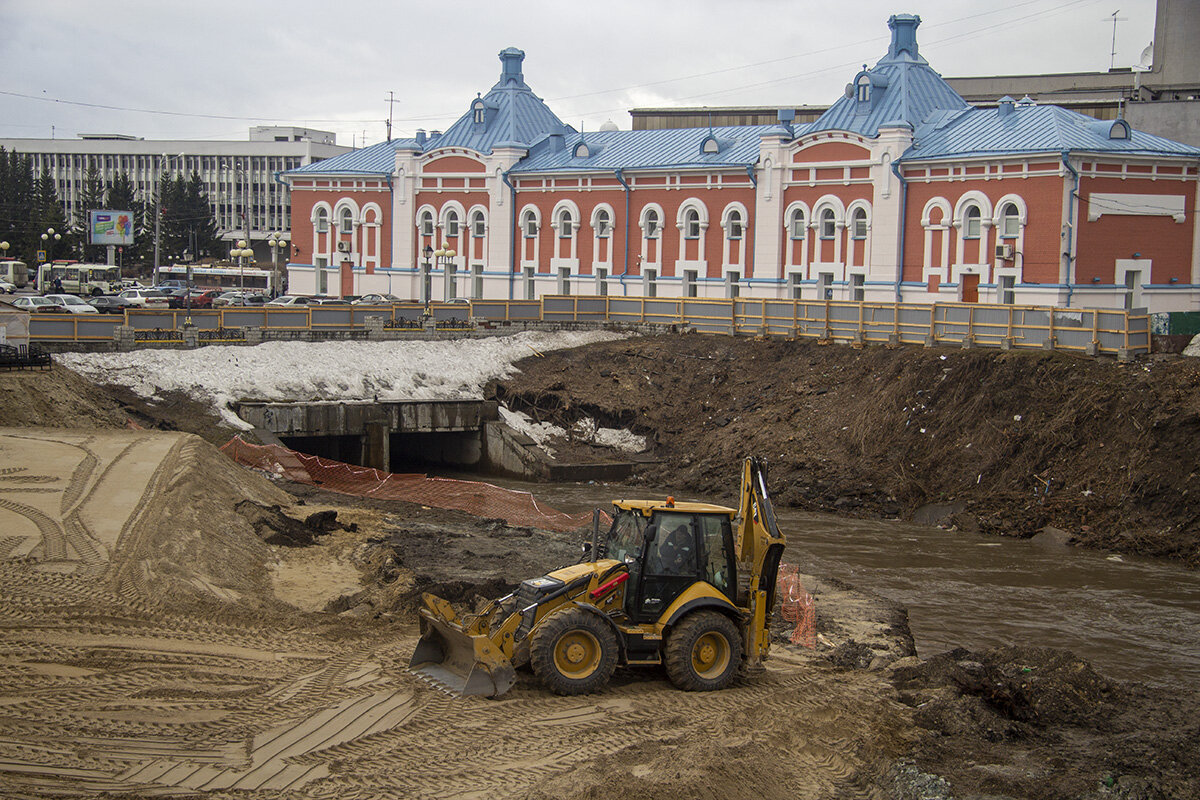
<point x="41" y="255"/>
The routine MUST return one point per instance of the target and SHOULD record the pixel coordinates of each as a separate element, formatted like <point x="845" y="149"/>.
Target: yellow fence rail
<point x="1089" y="331"/>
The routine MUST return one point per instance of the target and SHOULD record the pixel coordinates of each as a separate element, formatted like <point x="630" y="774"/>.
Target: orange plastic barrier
<point x="473" y="497"/>
<point x="796" y="605"/>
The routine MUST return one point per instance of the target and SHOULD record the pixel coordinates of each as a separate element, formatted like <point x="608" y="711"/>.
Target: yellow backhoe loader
<point x="687" y="585"/>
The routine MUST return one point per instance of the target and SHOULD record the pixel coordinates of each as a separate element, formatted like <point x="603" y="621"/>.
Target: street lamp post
<point x="426" y="277"/>
<point x="276" y="241"/>
<point x="445" y="260"/>
<point x="242" y="253"/>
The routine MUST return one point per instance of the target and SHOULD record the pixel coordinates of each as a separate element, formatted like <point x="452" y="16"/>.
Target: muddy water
<point x="1133" y="618"/>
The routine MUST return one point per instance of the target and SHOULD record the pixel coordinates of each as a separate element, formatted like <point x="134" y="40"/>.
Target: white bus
<point x="14" y="272"/>
<point x="227" y="278"/>
<point x="78" y="279"/>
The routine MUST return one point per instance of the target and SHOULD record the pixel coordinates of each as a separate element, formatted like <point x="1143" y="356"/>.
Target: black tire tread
<point x="541" y="651"/>
<point x="682" y="639"/>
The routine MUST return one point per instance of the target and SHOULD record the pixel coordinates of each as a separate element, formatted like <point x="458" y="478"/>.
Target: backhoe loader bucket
<point x="461" y="662"/>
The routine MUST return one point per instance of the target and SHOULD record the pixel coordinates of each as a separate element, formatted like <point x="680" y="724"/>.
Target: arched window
<point x="1010" y="221"/>
<point x="322" y="220"/>
<point x="477" y="108"/>
<point x="691" y="224"/>
<point x="796" y="226"/>
<point x="863" y="92"/>
<point x="733" y="225"/>
<point x="452" y="224"/>
<point x="346" y="221"/>
<point x="651" y="224"/>
<point x="603" y="224"/>
<point x="427" y="223"/>
<point x="971" y="222"/>
<point x="860" y="224"/>
<point x="529" y="224"/>
<point x="478" y="225"/>
<point x="828" y="224"/>
<point x="566" y="225"/>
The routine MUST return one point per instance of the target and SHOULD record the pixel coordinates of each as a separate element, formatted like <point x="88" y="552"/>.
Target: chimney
<point x="904" y="35"/>
<point x="1005" y="106"/>
<point x="786" y="117"/>
<point x="421" y="137"/>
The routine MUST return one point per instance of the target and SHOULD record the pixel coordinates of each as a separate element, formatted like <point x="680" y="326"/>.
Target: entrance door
<point x="970" y="287"/>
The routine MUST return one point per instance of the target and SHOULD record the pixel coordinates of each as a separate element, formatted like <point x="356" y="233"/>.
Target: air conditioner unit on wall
<point x="1004" y="251"/>
<point x="343" y="247"/>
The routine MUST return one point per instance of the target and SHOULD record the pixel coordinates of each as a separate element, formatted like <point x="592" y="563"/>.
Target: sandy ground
<point x="147" y="650"/>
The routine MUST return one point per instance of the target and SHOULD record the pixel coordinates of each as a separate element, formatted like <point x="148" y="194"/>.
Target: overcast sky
<point x="180" y="70"/>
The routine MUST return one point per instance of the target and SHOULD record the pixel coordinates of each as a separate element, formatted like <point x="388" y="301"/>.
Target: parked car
<point x="377" y="300"/>
<point x="203" y="298"/>
<point x="291" y="300"/>
<point x="131" y="283"/>
<point x="328" y="301"/>
<point x="176" y="298"/>
<point x="146" y="298"/>
<point x="73" y="304"/>
<point x="111" y="304"/>
<point x="172" y="285"/>
<point x="239" y="298"/>
<point x="39" y="305"/>
<point x="7" y="287"/>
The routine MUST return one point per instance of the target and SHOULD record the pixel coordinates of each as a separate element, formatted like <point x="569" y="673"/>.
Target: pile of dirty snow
<point x="337" y="371"/>
<point x="585" y="430"/>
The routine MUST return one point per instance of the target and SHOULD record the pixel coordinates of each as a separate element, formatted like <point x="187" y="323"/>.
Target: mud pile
<point x="1041" y="723"/>
<point x="1004" y="443"/>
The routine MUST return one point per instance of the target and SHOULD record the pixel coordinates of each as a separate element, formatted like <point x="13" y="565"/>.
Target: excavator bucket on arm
<point x="465" y="663"/>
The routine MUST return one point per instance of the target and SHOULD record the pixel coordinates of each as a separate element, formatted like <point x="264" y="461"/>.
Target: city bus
<point x="14" y="272"/>
<point x="79" y="279"/>
<point x="224" y="278"/>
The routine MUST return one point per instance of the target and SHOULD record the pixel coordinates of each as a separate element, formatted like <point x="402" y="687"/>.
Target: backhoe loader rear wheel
<point x="573" y="652"/>
<point x="704" y="652"/>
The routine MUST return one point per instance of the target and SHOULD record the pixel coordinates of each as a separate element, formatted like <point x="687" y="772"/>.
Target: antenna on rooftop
<point x="1115" y="19"/>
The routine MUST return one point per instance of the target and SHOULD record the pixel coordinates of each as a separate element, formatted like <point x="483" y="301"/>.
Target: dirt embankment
<point x="1004" y="443"/>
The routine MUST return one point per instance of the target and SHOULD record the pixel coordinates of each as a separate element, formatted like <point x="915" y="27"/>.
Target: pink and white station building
<point x="901" y="191"/>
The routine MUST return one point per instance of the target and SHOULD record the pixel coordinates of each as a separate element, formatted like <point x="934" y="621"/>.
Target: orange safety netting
<point x="473" y="497"/>
<point x="796" y="605"/>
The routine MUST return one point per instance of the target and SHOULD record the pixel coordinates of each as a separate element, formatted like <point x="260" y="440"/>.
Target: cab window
<point x="674" y="549"/>
<point x="625" y="538"/>
<point x="717" y="537"/>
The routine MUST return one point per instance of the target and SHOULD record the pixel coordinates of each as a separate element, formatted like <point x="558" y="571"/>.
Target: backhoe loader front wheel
<point x="703" y="652"/>
<point x="573" y="652"/>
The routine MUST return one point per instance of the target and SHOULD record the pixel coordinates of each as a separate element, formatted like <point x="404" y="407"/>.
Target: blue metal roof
<point x="378" y="159"/>
<point x="679" y="148"/>
<point x="903" y="88"/>
<point x="1028" y="128"/>
<point x="513" y="114"/>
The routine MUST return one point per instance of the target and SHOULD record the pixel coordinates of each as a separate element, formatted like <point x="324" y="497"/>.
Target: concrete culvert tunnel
<point x="405" y="453"/>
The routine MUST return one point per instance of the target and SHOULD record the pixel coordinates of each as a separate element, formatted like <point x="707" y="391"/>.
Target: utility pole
<point x="391" y="102"/>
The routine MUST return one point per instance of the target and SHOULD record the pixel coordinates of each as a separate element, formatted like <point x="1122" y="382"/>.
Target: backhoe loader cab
<point x="686" y="585"/>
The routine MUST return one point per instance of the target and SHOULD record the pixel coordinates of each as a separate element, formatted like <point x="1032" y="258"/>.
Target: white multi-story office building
<point x="239" y="176"/>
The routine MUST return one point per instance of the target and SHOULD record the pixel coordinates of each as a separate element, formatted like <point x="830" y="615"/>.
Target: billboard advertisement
<point x="110" y="227"/>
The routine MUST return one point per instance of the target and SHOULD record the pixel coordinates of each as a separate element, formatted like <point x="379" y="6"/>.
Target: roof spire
<point x="510" y="73"/>
<point x="904" y="35"/>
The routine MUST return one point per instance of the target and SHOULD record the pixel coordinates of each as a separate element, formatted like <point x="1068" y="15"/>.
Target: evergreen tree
<point x="201" y="227"/>
<point x="17" y="225"/>
<point x="91" y="198"/>
<point x="48" y="214"/>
